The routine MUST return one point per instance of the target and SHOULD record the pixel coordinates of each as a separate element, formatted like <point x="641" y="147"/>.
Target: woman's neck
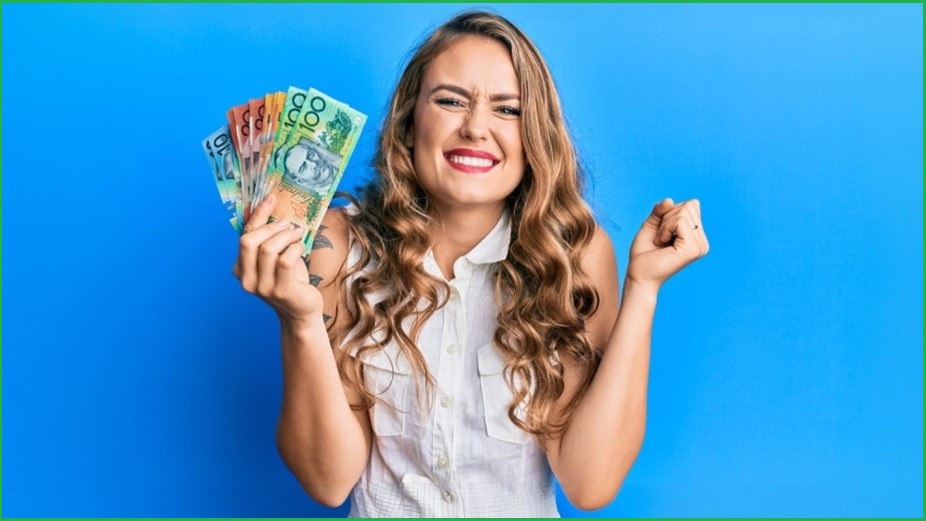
<point x="460" y="230"/>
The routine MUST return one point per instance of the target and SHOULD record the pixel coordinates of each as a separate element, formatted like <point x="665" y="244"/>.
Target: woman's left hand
<point x="670" y="238"/>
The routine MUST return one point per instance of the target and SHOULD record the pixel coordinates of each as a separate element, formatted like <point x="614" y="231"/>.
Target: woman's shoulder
<point x="330" y="247"/>
<point x="598" y="252"/>
<point x="600" y="266"/>
<point x="335" y="221"/>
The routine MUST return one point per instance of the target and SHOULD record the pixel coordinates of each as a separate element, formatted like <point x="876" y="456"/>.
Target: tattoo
<point x="320" y="240"/>
<point x="315" y="280"/>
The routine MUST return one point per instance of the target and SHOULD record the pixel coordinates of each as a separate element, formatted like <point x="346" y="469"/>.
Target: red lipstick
<point x="471" y="161"/>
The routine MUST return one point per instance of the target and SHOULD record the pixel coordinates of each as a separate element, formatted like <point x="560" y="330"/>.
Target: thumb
<point x="650" y="227"/>
<point x="659" y="211"/>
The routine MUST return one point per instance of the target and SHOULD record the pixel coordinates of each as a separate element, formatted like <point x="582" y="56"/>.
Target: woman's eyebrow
<point x="456" y="89"/>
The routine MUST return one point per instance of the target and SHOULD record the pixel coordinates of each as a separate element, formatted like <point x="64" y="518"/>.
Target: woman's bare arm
<point x="606" y="432"/>
<point x="323" y="442"/>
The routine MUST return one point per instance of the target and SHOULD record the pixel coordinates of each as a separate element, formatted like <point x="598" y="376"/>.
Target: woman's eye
<point x="509" y="111"/>
<point x="449" y="102"/>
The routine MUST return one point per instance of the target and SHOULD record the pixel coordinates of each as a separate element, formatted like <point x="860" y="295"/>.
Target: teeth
<point x="472" y="161"/>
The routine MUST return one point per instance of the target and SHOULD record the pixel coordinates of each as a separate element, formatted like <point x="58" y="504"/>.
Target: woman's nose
<point x="476" y="125"/>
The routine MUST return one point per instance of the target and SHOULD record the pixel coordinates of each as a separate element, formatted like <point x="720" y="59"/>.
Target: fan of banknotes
<point x="294" y="145"/>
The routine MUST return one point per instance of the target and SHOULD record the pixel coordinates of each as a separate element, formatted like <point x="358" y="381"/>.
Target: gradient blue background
<point x="787" y="369"/>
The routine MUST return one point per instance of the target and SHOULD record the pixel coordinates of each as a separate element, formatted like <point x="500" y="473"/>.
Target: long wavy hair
<point x="543" y="295"/>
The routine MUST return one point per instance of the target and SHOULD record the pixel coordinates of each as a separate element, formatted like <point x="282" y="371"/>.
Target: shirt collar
<point x="494" y="246"/>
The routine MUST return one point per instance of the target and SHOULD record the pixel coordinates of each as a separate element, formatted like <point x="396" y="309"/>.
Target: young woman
<point x="456" y="340"/>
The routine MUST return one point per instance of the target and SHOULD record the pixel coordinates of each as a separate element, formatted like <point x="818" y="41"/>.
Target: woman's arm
<point x="323" y="442"/>
<point x="606" y="431"/>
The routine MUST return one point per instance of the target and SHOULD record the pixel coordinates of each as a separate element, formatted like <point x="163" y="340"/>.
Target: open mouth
<point x="472" y="161"/>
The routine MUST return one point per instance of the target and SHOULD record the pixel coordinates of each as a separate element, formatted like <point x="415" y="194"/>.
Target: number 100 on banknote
<point x="294" y="145"/>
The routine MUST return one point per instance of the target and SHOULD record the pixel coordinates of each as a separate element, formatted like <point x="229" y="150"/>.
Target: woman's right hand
<point x="270" y="266"/>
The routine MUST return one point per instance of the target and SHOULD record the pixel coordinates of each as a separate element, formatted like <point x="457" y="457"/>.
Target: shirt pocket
<point x="387" y="375"/>
<point x="496" y="397"/>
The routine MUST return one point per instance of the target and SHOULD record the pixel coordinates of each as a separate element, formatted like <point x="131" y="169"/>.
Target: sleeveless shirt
<point x="462" y="456"/>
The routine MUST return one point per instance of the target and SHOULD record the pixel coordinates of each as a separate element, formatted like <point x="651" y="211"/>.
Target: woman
<point x="472" y="302"/>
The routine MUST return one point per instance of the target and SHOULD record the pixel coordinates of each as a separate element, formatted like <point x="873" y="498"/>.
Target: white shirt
<point x="464" y="457"/>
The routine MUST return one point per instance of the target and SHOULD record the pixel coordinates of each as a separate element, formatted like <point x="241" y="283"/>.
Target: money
<point x="309" y="164"/>
<point x="239" y="123"/>
<point x="274" y="103"/>
<point x="295" y="99"/>
<point x="295" y="145"/>
<point x="255" y="117"/>
<point x="219" y="149"/>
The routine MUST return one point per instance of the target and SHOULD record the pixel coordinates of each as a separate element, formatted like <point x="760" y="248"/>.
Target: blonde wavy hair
<point x="543" y="295"/>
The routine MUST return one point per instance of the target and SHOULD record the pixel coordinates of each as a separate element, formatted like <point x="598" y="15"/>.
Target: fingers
<point x="659" y="211"/>
<point x="682" y="225"/>
<point x="260" y="214"/>
<point x="268" y="254"/>
<point x="248" y="246"/>
<point x="252" y="250"/>
<point x="673" y="220"/>
<point x="697" y="232"/>
<point x="290" y="263"/>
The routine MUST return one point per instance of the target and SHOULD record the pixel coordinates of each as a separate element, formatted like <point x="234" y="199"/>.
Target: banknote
<point x="274" y="103"/>
<point x="308" y="167"/>
<point x="255" y="116"/>
<point x="292" y="107"/>
<point x="289" y="113"/>
<point x="219" y="149"/>
<point x="240" y="125"/>
<point x="295" y="145"/>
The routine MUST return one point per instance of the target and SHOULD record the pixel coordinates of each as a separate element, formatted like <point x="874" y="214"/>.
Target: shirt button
<point x="446" y="401"/>
<point x="448" y="497"/>
<point x="452" y="349"/>
<point x="454" y="294"/>
<point x="442" y="462"/>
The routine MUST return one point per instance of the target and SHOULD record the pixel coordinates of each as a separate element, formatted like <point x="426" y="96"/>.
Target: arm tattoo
<point x="314" y="279"/>
<point x="320" y="240"/>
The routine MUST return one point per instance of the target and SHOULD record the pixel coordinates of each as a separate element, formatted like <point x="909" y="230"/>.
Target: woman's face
<point x="467" y="126"/>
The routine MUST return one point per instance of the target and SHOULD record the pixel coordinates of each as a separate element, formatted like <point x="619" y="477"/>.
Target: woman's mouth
<point x="471" y="161"/>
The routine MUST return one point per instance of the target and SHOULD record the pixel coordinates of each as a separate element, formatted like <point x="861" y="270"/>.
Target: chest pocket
<point x="496" y="397"/>
<point x="387" y="375"/>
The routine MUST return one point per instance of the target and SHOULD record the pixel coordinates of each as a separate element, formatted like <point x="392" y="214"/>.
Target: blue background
<point x="787" y="369"/>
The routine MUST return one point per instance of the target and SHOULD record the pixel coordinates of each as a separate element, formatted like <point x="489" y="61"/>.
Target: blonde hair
<point x="543" y="295"/>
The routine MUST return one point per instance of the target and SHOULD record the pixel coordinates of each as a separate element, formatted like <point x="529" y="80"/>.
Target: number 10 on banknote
<point x="294" y="145"/>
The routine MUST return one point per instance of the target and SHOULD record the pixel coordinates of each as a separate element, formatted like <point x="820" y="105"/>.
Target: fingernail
<point x="282" y="223"/>
<point x="269" y="199"/>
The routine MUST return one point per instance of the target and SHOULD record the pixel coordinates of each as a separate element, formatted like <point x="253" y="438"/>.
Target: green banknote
<point x="309" y="164"/>
<point x="292" y="107"/>
<point x="289" y="114"/>
<point x="298" y="152"/>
